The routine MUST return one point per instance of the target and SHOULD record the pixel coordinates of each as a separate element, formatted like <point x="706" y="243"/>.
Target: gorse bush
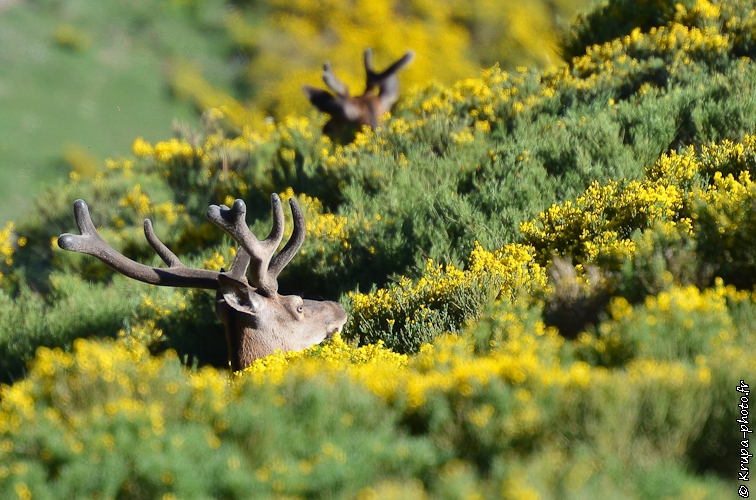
<point x="548" y="274"/>
<point x="291" y="424"/>
<point x="618" y="18"/>
<point x="144" y="403"/>
<point x="604" y="226"/>
<point x="491" y="166"/>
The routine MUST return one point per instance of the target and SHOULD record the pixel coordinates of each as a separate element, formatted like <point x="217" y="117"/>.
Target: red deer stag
<point x="349" y="112"/>
<point x="257" y="319"/>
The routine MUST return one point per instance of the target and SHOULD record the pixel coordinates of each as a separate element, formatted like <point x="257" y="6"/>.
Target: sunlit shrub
<point x="470" y="403"/>
<point x="617" y="18"/>
<point x="410" y="313"/>
<point x="725" y="222"/>
<point x="103" y="405"/>
<point x="679" y="324"/>
<point x="72" y="309"/>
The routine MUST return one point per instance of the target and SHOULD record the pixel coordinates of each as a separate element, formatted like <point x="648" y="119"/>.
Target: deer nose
<point x="333" y="329"/>
<point x="338" y="322"/>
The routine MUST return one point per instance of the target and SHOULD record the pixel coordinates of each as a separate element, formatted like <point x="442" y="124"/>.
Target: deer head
<point x="258" y="320"/>
<point x="352" y="112"/>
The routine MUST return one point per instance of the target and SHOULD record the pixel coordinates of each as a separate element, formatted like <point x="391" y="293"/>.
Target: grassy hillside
<point x="79" y="81"/>
<point x="549" y="275"/>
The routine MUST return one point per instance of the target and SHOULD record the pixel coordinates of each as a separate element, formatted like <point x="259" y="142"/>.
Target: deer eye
<point x="300" y="309"/>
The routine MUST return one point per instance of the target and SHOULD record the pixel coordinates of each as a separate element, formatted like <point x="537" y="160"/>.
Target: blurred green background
<point x="81" y="79"/>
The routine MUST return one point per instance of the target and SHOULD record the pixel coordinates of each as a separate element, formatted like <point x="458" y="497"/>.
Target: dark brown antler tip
<point x="67" y="241"/>
<point x="80" y="205"/>
<point x="217" y="213"/>
<point x="74" y="242"/>
<point x="367" y="57"/>
<point x="239" y="207"/>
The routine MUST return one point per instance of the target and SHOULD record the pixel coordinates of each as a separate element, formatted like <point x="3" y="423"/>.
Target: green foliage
<point x="107" y="405"/>
<point x="664" y="255"/>
<point x="615" y="19"/>
<point x="452" y="417"/>
<point x="73" y="309"/>
<point x="725" y="224"/>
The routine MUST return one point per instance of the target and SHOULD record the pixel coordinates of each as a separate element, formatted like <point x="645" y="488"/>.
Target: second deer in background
<point x="348" y="113"/>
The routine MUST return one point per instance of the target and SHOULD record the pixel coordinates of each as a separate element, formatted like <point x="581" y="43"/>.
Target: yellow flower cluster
<point x="615" y="58"/>
<point x="7" y="247"/>
<point x="140" y="203"/>
<point x="482" y="99"/>
<point x="447" y="365"/>
<point x="333" y="356"/>
<point x="136" y="200"/>
<point x="689" y="299"/>
<point x="728" y="208"/>
<point x="218" y="261"/>
<point x="682" y="322"/>
<point x="321" y="225"/>
<point x="603" y="219"/>
<point x="507" y="270"/>
<point x="166" y="151"/>
<point x="122" y="381"/>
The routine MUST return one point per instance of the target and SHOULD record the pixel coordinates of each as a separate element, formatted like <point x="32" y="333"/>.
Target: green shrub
<point x="615" y="19"/>
<point x="105" y="406"/>
<point x="725" y="221"/>
<point x="74" y="309"/>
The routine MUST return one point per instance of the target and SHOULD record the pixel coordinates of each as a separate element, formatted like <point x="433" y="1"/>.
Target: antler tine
<point x="334" y="83"/>
<point x="239" y="267"/>
<point x="388" y="83"/>
<point x="90" y="242"/>
<point x="163" y="251"/>
<point x="233" y="221"/>
<point x="367" y="57"/>
<point x="370" y="80"/>
<point x="283" y="258"/>
<point x="402" y="63"/>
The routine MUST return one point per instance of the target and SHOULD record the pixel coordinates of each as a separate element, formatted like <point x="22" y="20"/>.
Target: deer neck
<point x="246" y="343"/>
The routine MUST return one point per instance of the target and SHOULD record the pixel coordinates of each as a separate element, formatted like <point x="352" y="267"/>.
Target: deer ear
<point x="238" y="295"/>
<point x="324" y="100"/>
